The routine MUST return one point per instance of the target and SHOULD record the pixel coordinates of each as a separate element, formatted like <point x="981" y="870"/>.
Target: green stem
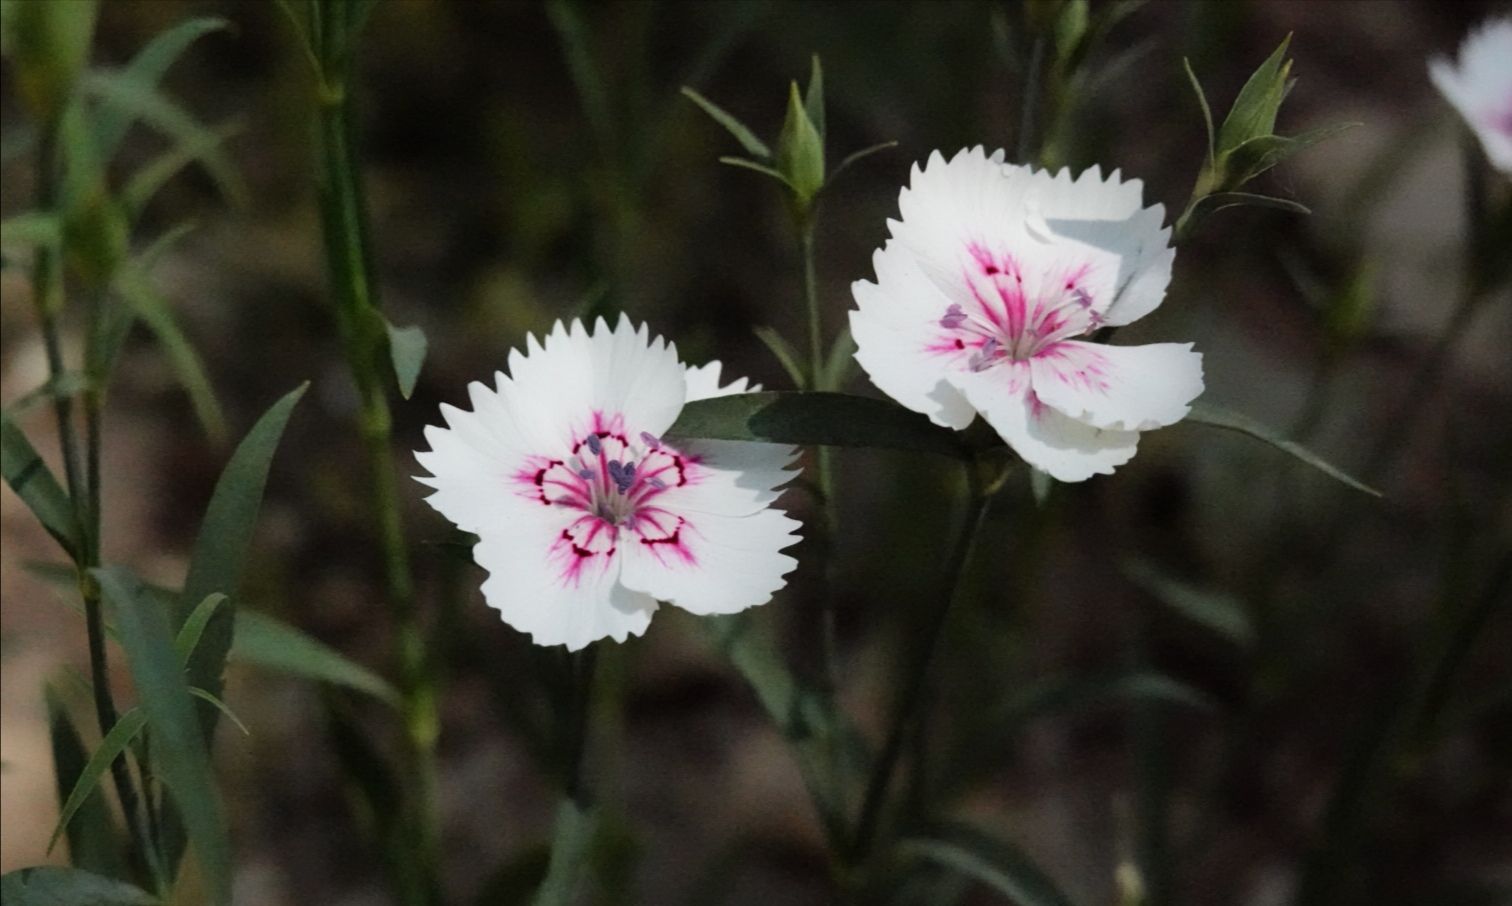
<point x="829" y="642"/>
<point x="349" y="262"/>
<point x="83" y="493"/>
<point x="1031" y="99"/>
<point x="916" y="682"/>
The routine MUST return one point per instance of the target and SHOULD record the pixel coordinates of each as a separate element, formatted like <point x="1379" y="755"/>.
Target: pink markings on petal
<point x="661" y="534"/>
<point x="1078" y="367"/>
<point x="588" y="543"/>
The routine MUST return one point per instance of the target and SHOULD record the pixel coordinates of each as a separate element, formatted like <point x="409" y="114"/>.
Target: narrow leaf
<point x="265" y="642"/>
<point x="111" y="747"/>
<point x="220" y="706"/>
<point x="63" y="386"/>
<point x="1205" y="414"/>
<point x="1254" y="110"/>
<point x="150" y="179"/>
<point x="141" y="100"/>
<point x="92" y="841"/>
<point x="746" y="137"/>
<point x="30" y="229"/>
<point x="194" y="627"/>
<point x="571" y="840"/>
<point x="148" y="68"/>
<point x="785" y="354"/>
<point x="858" y="156"/>
<point x="31" y="480"/>
<point x="407" y="347"/>
<point x="1207" y="112"/>
<point x="50" y="886"/>
<point x="813" y="96"/>
<point x="1221" y="200"/>
<point x="809" y="419"/>
<point x="148" y="304"/>
<point x="996" y="863"/>
<point x="180" y="754"/>
<point x="1221" y="613"/>
<point x="759" y="168"/>
<point x="224" y="536"/>
<point x="840" y="364"/>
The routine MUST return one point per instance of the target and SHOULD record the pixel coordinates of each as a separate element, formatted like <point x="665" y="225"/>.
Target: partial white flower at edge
<point x="991" y="275"/>
<point x="586" y="516"/>
<point x="1480" y="87"/>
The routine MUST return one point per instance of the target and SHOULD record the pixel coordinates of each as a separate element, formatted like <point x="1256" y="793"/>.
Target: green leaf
<point x="194" y="627"/>
<point x="1259" y="154"/>
<point x="224" y="536"/>
<point x="32" y="228"/>
<point x="813" y="97"/>
<point x="148" y="304"/>
<point x="115" y="742"/>
<point x="586" y="76"/>
<point x="47" y="46"/>
<point x="220" y="706"/>
<point x="31" y="480"/>
<point x="1221" y="200"/>
<point x="1223" y="614"/>
<point x="841" y="363"/>
<point x="809" y="419"/>
<point x="92" y="841"/>
<point x="1205" y="414"/>
<point x="759" y="168"/>
<point x="48" y="886"/>
<point x="978" y="855"/>
<point x="1070" y="28"/>
<point x="150" y="179"/>
<point x="786" y="355"/>
<point x="180" y="754"/>
<point x="571" y="841"/>
<point x="1207" y="112"/>
<point x="141" y="100"/>
<point x="735" y="127"/>
<point x="148" y="68"/>
<point x="1254" y="111"/>
<point x="859" y="156"/>
<point x="407" y="352"/>
<point x="64" y="386"/>
<point x="800" y="150"/>
<point x="265" y="642"/>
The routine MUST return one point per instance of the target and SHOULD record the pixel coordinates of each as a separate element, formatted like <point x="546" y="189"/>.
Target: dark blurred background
<point x="501" y="201"/>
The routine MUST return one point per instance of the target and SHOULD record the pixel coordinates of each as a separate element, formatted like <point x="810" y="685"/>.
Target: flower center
<point x="610" y="477"/>
<point x="1002" y="323"/>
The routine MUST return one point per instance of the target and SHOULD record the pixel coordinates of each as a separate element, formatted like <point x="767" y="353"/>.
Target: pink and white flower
<point x="991" y="275"/>
<point x="1480" y="87"/>
<point x="586" y="517"/>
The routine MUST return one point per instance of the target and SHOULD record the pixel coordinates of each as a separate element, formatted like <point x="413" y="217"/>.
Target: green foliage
<point x="270" y="644"/>
<point x="1214" y="416"/>
<point x="92" y="842"/>
<point x="31" y="480"/>
<point x="86" y="786"/>
<point x="407" y="347"/>
<point x="145" y="302"/>
<point x="48" y="44"/>
<point x="48" y="886"/>
<point x="571" y="846"/>
<point x="1245" y="144"/>
<point x="180" y="754"/>
<point x="800" y="150"/>
<point x="1221" y="613"/>
<point x="820" y="418"/>
<point x="224" y="536"/>
<point x="785" y="354"/>
<point x="996" y="863"/>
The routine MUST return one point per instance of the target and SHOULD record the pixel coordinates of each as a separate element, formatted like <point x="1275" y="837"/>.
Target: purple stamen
<point x="657" y="483"/>
<point x="594" y="445"/>
<point x="650" y="440"/>
<point x="990" y="348"/>
<point x="585" y="474"/>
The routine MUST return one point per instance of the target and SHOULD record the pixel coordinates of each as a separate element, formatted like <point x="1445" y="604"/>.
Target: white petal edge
<point x="1133" y="388"/>
<point x="1066" y="449"/>
<point x="731" y="563"/>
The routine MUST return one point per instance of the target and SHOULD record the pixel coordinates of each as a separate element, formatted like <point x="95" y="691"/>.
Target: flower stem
<point x="828" y="632"/>
<point x="349" y="262"/>
<point x="83" y="493"/>
<point x="1030" y="100"/>
<point x="917" y="675"/>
